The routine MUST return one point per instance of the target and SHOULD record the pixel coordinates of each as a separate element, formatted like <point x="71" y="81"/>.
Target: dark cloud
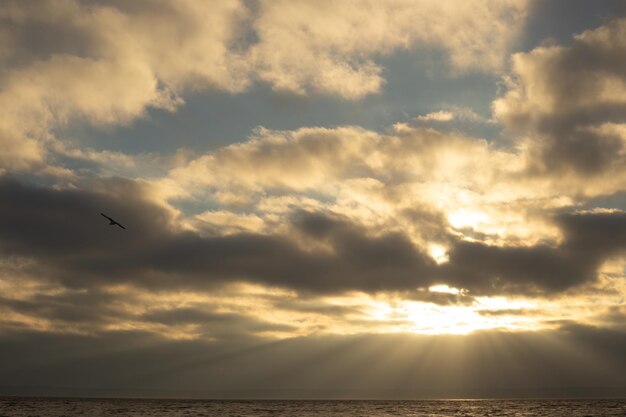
<point x="65" y="235"/>
<point x="375" y="262"/>
<point x="594" y="232"/>
<point x="585" y="152"/>
<point x="440" y="298"/>
<point x="489" y="268"/>
<point x="222" y="326"/>
<point x="46" y="222"/>
<point x="615" y="315"/>
<point x="92" y="307"/>
<point x="37" y="31"/>
<point x="429" y="223"/>
<point x="589" y="239"/>
<point x="64" y="231"/>
<point x="92" y="312"/>
<point x="312" y="305"/>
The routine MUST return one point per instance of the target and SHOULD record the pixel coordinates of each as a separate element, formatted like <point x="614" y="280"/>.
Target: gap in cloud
<point x="556" y="20"/>
<point x="613" y="201"/>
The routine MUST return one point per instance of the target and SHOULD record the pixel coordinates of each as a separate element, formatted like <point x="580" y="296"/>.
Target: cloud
<point x="215" y="325"/>
<point x="439" y="116"/>
<point x="589" y="239"/>
<point x="315" y="253"/>
<point x="71" y="311"/>
<point x="510" y="312"/>
<point x="226" y="222"/>
<point x="329" y="47"/>
<point x="566" y="102"/>
<point x="317" y="159"/>
<point x="107" y="63"/>
<point x="440" y="298"/>
<point x="304" y="159"/>
<point x="453" y="113"/>
<point x="418" y="180"/>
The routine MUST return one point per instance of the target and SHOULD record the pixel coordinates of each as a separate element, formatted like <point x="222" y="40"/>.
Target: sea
<point x="57" y="407"/>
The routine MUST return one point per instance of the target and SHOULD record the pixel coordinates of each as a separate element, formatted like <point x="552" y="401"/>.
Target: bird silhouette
<point x="112" y="222"/>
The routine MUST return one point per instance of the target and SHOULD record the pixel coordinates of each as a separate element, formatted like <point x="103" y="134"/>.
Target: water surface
<point x="57" y="407"/>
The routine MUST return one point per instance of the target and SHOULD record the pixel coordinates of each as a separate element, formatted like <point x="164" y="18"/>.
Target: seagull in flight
<point x="112" y="222"/>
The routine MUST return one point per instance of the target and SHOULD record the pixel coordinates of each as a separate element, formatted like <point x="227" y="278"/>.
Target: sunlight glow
<point x="443" y="288"/>
<point x="438" y="253"/>
<point x="467" y="219"/>
<point x="482" y="313"/>
<point x="503" y="303"/>
<point x="430" y="318"/>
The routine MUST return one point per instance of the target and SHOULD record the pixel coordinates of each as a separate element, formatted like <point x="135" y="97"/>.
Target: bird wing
<point x="111" y="221"/>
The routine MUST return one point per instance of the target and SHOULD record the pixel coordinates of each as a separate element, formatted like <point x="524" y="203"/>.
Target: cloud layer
<point x="108" y="62"/>
<point x="321" y="252"/>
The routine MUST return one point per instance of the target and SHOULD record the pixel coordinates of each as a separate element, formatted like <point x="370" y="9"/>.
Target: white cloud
<point x="438" y="116"/>
<point x="454" y="113"/>
<point x="330" y="47"/>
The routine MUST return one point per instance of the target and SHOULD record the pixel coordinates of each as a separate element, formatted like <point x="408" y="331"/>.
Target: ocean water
<point x="53" y="407"/>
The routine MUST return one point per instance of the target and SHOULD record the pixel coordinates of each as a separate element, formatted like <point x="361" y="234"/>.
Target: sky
<point x="322" y="199"/>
